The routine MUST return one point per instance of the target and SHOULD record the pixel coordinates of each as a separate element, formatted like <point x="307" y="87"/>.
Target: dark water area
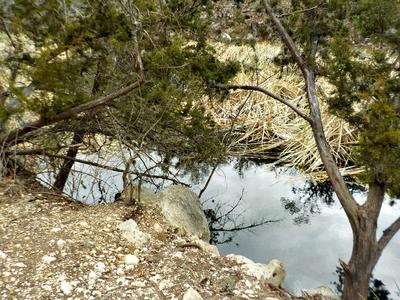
<point x="311" y="235"/>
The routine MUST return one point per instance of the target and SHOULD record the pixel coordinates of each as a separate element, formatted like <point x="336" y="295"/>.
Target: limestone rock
<point x="192" y="294"/>
<point x="273" y="272"/>
<point x="206" y="247"/>
<point x="66" y="287"/>
<point x="60" y="244"/>
<point x="182" y="209"/>
<point x="48" y="259"/>
<point x="131" y="232"/>
<point x="131" y="260"/>
<point x="324" y="291"/>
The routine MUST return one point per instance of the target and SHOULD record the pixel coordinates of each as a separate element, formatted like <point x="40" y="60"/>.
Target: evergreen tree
<point x="355" y="45"/>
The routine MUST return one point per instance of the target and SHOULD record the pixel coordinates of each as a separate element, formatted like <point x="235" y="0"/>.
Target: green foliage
<point x="73" y="51"/>
<point x="359" y="53"/>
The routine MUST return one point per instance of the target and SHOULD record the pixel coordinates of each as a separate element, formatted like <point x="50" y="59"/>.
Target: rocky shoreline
<point x="54" y="248"/>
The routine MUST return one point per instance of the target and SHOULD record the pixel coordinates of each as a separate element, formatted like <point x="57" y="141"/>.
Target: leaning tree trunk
<point x="66" y="167"/>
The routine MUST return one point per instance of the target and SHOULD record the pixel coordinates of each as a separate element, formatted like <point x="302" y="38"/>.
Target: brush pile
<point x="261" y="127"/>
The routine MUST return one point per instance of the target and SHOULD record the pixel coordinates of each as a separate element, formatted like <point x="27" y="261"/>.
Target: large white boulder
<point x="273" y="272"/>
<point x="181" y="208"/>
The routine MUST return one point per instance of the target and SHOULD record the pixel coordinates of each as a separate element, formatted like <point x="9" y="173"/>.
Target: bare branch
<point x="286" y="37"/>
<point x="245" y="227"/>
<point x="268" y="93"/>
<point x="90" y="163"/>
<point x="346" y="199"/>
<point x="70" y="113"/>
<point x="388" y="233"/>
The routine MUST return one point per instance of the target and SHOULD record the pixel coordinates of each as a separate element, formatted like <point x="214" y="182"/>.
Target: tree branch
<point x="69" y="113"/>
<point x="388" y="233"/>
<point x="268" y="93"/>
<point x="286" y="37"/>
<point x="90" y="163"/>
<point x="346" y="199"/>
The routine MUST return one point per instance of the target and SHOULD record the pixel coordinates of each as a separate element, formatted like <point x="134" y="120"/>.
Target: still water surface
<point x="310" y="252"/>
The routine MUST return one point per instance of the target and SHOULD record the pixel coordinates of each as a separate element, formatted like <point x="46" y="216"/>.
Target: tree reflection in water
<point x="307" y="199"/>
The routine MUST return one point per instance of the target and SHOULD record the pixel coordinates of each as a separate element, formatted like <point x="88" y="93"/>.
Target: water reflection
<point x="307" y="199"/>
<point x="310" y="251"/>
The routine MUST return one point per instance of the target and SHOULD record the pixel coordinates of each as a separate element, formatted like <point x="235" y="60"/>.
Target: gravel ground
<point x="54" y="248"/>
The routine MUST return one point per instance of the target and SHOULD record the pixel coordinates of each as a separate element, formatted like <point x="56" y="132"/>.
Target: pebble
<point x="84" y="224"/>
<point x="131" y="260"/>
<point x="66" y="287"/>
<point x="157" y="228"/>
<point x="139" y="284"/>
<point x="20" y="265"/>
<point x="192" y="294"/>
<point x="60" y="244"/>
<point x="47" y="259"/>
<point x="3" y="255"/>
<point x="55" y="229"/>
<point x="101" y="267"/>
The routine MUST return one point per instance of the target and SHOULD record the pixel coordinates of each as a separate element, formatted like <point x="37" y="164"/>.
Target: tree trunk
<point x="63" y="174"/>
<point x="363" y="259"/>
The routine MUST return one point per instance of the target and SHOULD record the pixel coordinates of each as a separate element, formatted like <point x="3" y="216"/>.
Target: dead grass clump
<point x="264" y="127"/>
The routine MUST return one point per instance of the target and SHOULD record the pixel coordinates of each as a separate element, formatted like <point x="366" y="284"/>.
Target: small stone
<point x="178" y="255"/>
<point x="165" y="284"/>
<point x="55" y="229"/>
<point x="3" y="255"/>
<point x="131" y="260"/>
<point x="84" y="224"/>
<point x="20" y="265"/>
<point x="192" y="294"/>
<point x="157" y="228"/>
<point x="46" y="287"/>
<point x="139" y="284"/>
<point x="119" y="271"/>
<point x="60" y="244"/>
<point x="92" y="275"/>
<point x="66" y="287"/>
<point x="131" y="232"/>
<point x="101" y="267"/>
<point x="47" y="259"/>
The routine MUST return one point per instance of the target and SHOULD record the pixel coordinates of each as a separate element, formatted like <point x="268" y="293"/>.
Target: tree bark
<point x="363" y="218"/>
<point x="66" y="167"/>
<point x="362" y="262"/>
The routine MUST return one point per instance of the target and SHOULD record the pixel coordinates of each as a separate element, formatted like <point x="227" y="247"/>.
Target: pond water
<point x="309" y="244"/>
<point x="310" y="252"/>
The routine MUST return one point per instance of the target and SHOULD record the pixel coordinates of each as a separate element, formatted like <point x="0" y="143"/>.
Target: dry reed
<point x="265" y="127"/>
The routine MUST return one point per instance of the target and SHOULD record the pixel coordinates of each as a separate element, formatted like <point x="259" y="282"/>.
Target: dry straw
<point x="265" y="128"/>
